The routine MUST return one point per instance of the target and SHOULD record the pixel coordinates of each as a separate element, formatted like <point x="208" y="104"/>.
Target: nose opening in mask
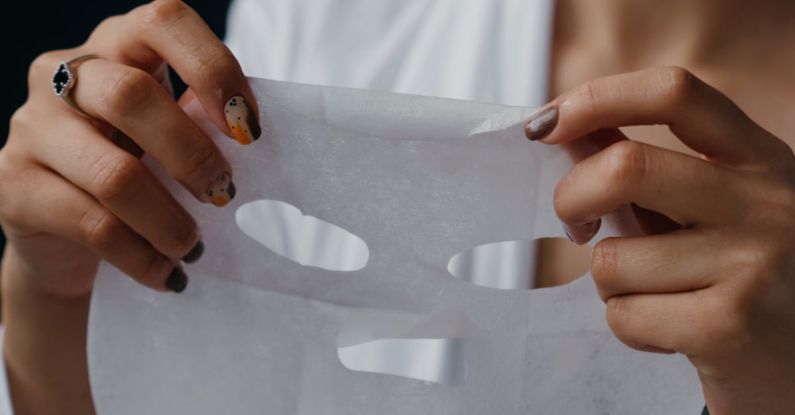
<point x="439" y="361"/>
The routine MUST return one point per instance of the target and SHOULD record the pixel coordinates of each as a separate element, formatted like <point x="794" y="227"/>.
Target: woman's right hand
<point x="73" y="188"/>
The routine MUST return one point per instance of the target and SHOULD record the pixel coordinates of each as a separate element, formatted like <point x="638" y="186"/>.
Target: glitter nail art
<point x="222" y="190"/>
<point x="241" y="120"/>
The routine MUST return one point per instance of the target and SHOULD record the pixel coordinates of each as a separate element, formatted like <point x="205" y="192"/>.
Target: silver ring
<point x="65" y="78"/>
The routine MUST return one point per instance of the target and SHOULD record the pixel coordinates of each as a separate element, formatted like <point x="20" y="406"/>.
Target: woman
<point x="714" y="280"/>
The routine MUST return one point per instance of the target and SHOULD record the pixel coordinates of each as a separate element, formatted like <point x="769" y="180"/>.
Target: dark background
<point x="31" y="27"/>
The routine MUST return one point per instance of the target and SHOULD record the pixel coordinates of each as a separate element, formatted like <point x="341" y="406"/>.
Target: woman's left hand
<point x="719" y="286"/>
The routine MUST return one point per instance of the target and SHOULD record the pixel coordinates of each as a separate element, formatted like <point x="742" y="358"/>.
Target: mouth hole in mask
<point x="307" y="240"/>
<point x="439" y="361"/>
<point x="521" y="265"/>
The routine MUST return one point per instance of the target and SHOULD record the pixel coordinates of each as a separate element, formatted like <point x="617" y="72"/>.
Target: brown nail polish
<point x="177" y="280"/>
<point x="222" y="190"/>
<point x="541" y="123"/>
<point x="194" y="253"/>
<point x="566" y="231"/>
<point x="241" y="120"/>
<point x="582" y="233"/>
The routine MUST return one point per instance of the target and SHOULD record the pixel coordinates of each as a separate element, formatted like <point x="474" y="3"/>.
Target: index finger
<point x="170" y="30"/>
<point x="703" y="118"/>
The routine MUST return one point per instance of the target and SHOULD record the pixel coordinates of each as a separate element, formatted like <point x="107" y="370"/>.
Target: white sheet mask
<point x="271" y="325"/>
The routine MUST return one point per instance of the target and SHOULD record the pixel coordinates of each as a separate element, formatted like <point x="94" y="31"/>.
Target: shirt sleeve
<point x="5" y="395"/>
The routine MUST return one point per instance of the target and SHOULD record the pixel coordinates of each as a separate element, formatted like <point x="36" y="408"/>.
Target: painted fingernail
<point x="566" y="230"/>
<point x="241" y="120"/>
<point x="541" y="123"/>
<point x="194" y="253"/>
<point x="581" y="234"/>
<point x="222" y="190"/>
<point x="177" y="280"/>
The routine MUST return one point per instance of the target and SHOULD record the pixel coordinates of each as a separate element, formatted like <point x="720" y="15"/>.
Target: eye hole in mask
<point x="521" y="265"/>
<point x="307" y="240"/>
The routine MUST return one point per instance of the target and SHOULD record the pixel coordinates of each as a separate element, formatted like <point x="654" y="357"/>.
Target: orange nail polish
<point x="222" y="190"/>
<point x="241" y="120"/>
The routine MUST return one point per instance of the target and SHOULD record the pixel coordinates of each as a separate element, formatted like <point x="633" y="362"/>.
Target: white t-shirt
<point x="481" y="50"/>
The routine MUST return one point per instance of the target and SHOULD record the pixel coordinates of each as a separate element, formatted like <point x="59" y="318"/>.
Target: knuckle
<point x="155" y="269"/>
<point x="164" y="12"/>
<point x="625" y="163"/>
<point x="604" y="262"/>
<point x="105" y="26"/>
<point x="762" y="270"/>
<point x="728" y="324"/>
<point x="617" y="315"/>
<point x="588" y="95"/>
<point x="754" y="259"/>
<point x="117" y="177"/>
<point x="16" y="171"/>
<point x="13" y="210"/>
<point x="41" y="67"/>
<point x="202" y="161"/>
<point x="13" y="165"/>
<point x="679" y="85"/>
<point x="20" y="120"/>
<point x="214" y="64"/>
<point x="184" y="238"/>
<point x="100" y="229"/>
<point x="559" y="198"/>
<point x="178" y="237"/>
<point x="130" y="89"/>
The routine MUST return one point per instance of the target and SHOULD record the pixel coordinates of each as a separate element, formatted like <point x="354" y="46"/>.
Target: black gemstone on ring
<point x="61" y="79"/>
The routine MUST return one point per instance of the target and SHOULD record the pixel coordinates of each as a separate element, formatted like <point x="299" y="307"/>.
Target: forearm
<point x="44" y="345"/>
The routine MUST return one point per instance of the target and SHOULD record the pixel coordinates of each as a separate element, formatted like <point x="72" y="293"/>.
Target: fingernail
<point x="541" y="123"/>
<point x="581" y="234"/>
<point x="566" y="230"/>
<point x="194" y="253"/>
<point x="177" y="280"/>
<point x="241" y="120"/>
<point x="222" y="190"/>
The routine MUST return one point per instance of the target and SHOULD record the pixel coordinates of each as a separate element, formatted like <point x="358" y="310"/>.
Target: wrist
<point x="48" y="278"/>
<point x="44" y="343"/>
